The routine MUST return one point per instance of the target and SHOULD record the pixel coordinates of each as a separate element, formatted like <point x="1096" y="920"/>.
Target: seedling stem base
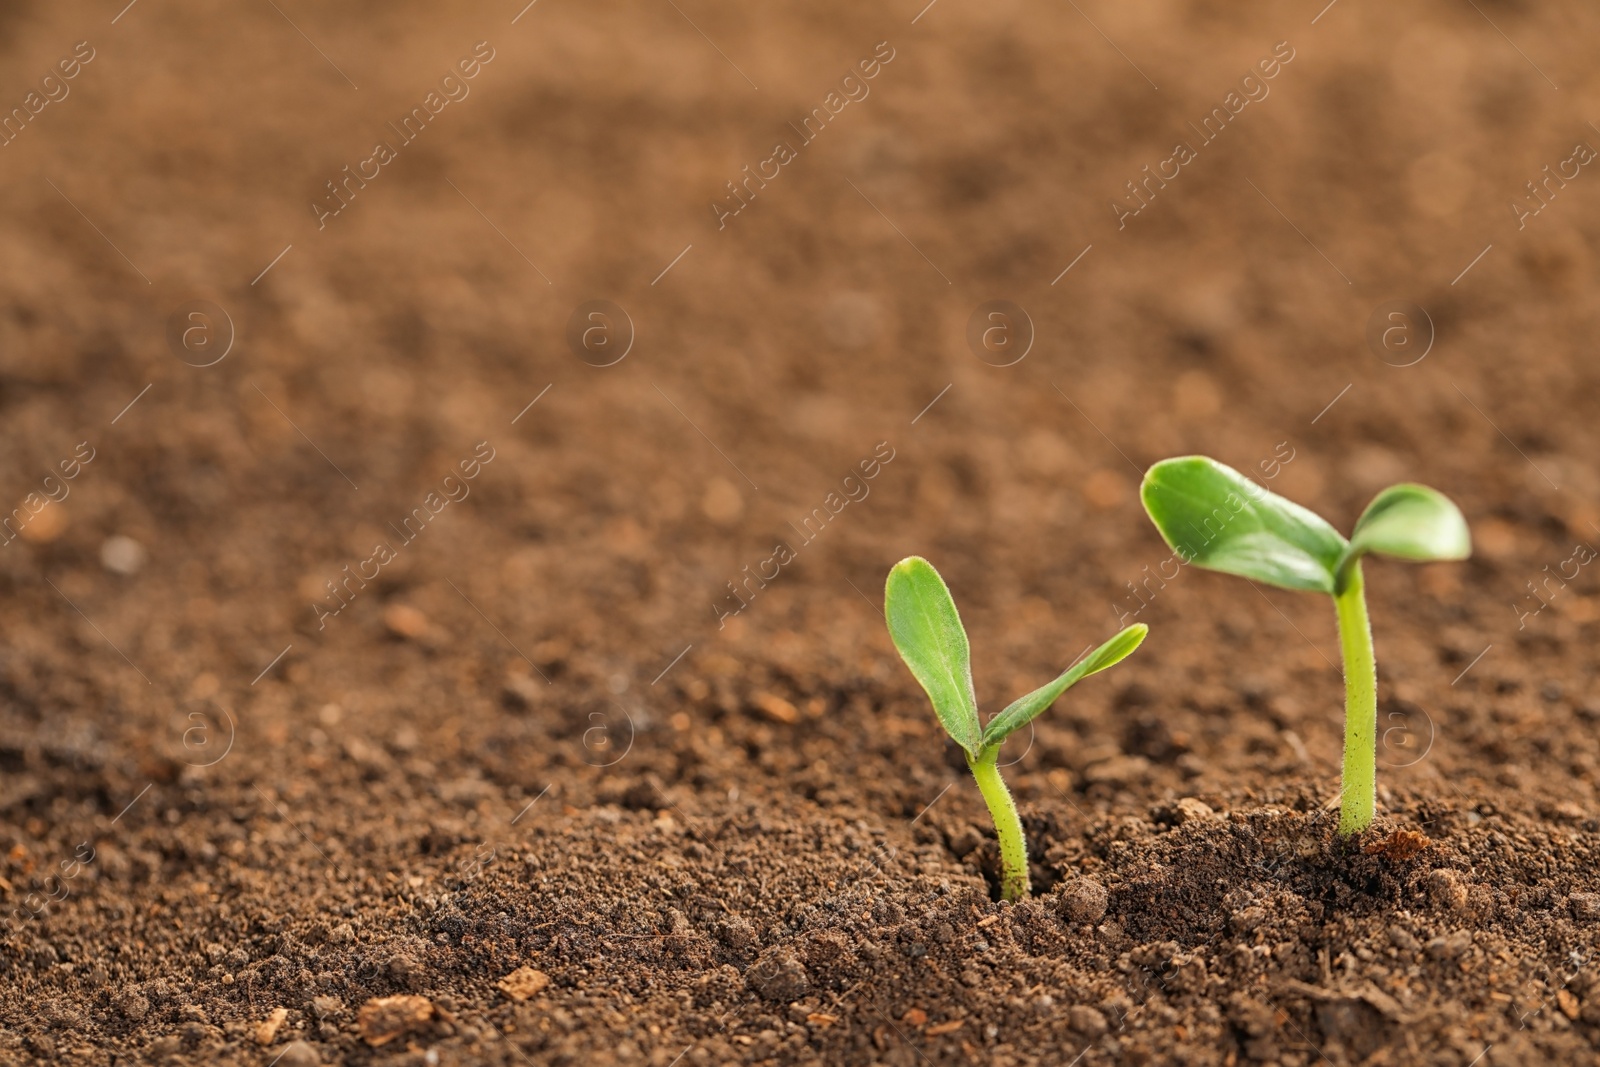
<point x="1358" y="788"/>
<point x="1007" y="823"/>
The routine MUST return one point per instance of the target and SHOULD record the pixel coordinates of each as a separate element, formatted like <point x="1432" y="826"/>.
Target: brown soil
<point x="232" y="825"/>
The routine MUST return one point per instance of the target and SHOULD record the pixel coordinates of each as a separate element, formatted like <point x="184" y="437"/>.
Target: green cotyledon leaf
<point x="1213" y="516"/>
<point x="927" y="631"/>
<point x="1410" y="522"/>
<point x="1025" y="709"/>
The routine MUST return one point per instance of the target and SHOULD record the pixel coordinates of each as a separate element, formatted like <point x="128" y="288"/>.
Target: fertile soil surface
<point x="440" y="675"/>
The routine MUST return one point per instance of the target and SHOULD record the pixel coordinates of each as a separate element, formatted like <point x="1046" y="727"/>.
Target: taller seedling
<point x="928" y="633"/>
<point x="1216" y="517"/>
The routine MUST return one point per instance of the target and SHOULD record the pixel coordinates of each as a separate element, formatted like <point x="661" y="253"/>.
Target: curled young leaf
<point x="1410" y="522"/>
<point x="927" y="631"/>
<point x="1024" y="710"/>
<point x="1212" y="515"/>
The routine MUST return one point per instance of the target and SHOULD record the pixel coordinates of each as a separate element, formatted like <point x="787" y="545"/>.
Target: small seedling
<point x="1216" y="517"/>
<point x="927" y="631"/>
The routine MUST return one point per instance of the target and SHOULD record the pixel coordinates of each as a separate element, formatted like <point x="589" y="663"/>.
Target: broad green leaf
<point x="1411" y="522"/>
<point x="1216" y="517"/>
<point x="1025" y="709"/>
<point x="927" y="630"/>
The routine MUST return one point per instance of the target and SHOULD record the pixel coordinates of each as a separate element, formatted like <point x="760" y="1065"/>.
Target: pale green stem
<point x="1007" y="823"/>
<point x="1359" y="785"/>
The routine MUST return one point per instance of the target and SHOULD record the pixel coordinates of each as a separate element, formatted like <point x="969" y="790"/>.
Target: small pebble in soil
<point x="403" y="969"/>
<point x="122" y="555"/>
<point x="131" y="1006"/>
<point x="778" y="975"/>
<point x="826" y="948"/>
<point x="722" y="502"/>
<point x="519" y="691"/>
<point x="165" y="1048"/>
<point x="266" y="1031"/>
<point x="1084" y="900"/>
<point x="327" y="1007"/>
<point x="298" y="1054"/>
<point x="1401" y="938"/>
<point x="1445" y="889"/>
<point x="1086" y="1020"/>
<point x="45" y="526"/>
<point x="405" y="621"/>
<point x="383" y="1019"/>
<point x="1400" y="846"/>
<point x="524" y="983"/>
<point x="776" y="708"/>
<point x="737" y="933"/>
<point x="1451" y="946"/>
<point x="965" y="841"/>
<point x="1186" y="810"/>
<point x="1585" y="906"/>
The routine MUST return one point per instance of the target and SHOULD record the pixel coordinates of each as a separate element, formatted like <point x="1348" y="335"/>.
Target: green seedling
<point x="1214" y="516"/>
<point x="927" y="631"/>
